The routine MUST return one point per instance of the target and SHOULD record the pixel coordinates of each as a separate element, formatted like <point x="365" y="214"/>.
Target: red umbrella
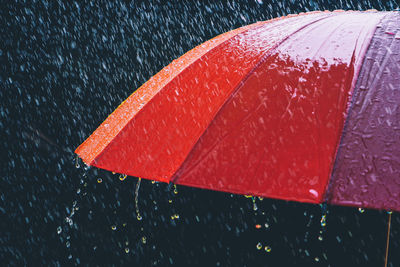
<point x="301" y="108"/>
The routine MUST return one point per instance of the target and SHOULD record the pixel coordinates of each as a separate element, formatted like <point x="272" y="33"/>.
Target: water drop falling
<point x="254" y="203"/>
<point x="323" y="220"/>
<point x="114" y="227"/>
<point x="361" y="210"/>
<point x="59" y="230"/>
<point x="122" y="177"/>
<point x="77" y="165"/>
<point x="144" y="240"/>
<point x="126" y="250"/>
<point x="138" y="216"/>
<point x="324" y="212"/>
<point x="267" y="249"/>
<point x="389" y="212"/>
<point x="99" y="180"/>
<point x="320" y="238"/>
<point x="175" y="189"/>
<point x="259" y="246"/>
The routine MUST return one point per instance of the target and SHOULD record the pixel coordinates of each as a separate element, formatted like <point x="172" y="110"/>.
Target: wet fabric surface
<point x="367" y="168"/>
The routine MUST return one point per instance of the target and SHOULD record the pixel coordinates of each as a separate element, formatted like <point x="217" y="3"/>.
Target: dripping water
<point x="138" y="216"/>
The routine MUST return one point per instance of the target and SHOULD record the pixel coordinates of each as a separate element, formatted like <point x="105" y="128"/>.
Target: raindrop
<point x="126" y="250"/>
<point x="70" y="256"/>
<point x="77" y="165"/>
<point x="266" y="225"/>
<point x="254" y="203"/>
<point x="320" y="238"/>
<point x="175" y="189"/>
<point x="316" y="259"/>
<point x="323" y="220"/>
<point x="144" y="240"/>
<point x="114" y="227"/>
<point x="267" y="249"/>
<point x="59" y="230"/>
<point x="361" y="210"/>
<point x="99" y="180"/>
<point x="170" y="201"/>
<point x="389" y="212"/>
<point x="138" y="216"/>
<point x="175" y="216"/>
<point x="69" y="221"/>
<point x="259" y="246"/>
<point x="122" y="177"/>
<point x="67" y="244"/>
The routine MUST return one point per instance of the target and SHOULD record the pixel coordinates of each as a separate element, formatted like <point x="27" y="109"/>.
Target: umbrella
<point x="303" y="107"/>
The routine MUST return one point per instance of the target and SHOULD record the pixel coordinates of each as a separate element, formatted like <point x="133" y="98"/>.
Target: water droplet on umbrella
<point x="122" y="177"/>
<point x="259" y="246"/>
<point x="175" y="190"/>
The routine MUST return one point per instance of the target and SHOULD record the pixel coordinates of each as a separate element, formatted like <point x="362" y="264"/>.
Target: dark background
<point x="64" y="66"/>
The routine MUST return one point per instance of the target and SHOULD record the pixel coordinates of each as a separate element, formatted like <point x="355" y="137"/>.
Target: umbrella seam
<point x="175" y="176"/>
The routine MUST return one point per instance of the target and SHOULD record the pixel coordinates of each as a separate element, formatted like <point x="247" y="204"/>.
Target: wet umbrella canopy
<point x="260" y="111"/>
<point x="66" y="66"/>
